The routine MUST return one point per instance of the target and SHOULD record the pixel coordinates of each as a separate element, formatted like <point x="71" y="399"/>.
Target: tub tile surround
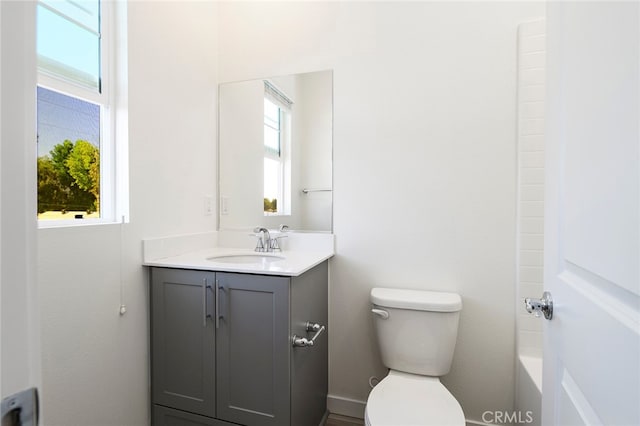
<point x="530" y="233"/>
<point x="531" y="92"/>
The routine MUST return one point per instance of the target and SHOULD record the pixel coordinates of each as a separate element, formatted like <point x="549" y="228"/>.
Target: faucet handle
<point x="283" y="228"/>
<point x="274" y="244"/>
<point x="259" y="245"/>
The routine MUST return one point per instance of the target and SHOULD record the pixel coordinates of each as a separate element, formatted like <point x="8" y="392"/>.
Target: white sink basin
<point x="257" y="258"/>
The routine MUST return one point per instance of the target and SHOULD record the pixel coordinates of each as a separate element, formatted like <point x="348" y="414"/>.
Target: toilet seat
<point x="403" y="399"/>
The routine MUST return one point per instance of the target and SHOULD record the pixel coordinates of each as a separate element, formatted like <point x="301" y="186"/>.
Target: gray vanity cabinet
<point x="164" y="416"/>
<point x="183" y="340"/>
<point x="240" y="368"/>
<point x="253" y="349"/>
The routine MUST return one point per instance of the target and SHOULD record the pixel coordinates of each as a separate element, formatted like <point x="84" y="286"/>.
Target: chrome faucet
<point x="264" y="240"/>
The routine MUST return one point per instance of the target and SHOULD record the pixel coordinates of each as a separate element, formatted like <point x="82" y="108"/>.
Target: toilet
<point x="417" y="336"/>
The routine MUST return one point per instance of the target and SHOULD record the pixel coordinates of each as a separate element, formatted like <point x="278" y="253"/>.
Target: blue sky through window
<point x="68" y="40"/>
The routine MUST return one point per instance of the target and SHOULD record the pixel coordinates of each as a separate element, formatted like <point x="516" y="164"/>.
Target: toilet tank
<point x="416" y="329"/>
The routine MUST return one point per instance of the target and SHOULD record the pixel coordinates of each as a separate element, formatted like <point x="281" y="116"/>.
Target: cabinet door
<point x="309" y="365"/>
<point x="183" y="340"/>
<point x="253" y="347"/>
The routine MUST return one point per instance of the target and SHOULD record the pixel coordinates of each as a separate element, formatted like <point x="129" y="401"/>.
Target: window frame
<point x="103" y="96"/>
<point x="104" y="20"/>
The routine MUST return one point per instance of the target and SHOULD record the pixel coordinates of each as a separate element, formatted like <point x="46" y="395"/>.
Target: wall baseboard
<point x="346" y="406"/>
<point x="476" y="423"/>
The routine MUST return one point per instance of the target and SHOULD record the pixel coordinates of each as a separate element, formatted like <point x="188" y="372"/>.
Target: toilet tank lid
<point x="419" y="300"/>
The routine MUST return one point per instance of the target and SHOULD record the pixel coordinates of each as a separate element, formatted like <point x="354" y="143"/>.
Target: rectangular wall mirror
<point x="275" y="152"/>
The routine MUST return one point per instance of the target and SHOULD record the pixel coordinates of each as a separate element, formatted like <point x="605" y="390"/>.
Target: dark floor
<point x="337" y="420"/>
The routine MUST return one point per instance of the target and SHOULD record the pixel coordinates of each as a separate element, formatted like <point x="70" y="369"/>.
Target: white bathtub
<point x="529" y="387"/>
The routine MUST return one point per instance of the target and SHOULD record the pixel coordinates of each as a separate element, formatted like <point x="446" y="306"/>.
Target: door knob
<point x="540" y="307"/>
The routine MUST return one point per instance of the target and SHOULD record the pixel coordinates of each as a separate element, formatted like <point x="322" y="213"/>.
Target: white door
<point x="592" y="231"/>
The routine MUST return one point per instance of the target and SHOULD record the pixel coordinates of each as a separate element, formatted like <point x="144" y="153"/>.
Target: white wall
<point x="424" y="166"/>
<point x="19" y="335"/>
<point x="96" y="362"/>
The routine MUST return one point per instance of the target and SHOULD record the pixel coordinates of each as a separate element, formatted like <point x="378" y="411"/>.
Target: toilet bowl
<point x="416" y="334"/>
<point x="409" y="399"/>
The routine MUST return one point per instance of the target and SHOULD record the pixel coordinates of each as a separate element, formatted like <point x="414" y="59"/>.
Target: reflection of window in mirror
<point x="277" y="135"/>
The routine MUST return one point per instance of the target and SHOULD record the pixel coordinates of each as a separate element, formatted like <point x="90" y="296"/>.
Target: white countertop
<point x="295" y="262"/>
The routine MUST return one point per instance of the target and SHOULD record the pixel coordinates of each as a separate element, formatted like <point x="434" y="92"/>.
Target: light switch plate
<point x="208" y="205"/>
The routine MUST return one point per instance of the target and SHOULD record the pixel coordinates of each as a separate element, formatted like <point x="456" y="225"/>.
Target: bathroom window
<point x="277" y="120"/>
<point x="75" y="126"/>
<point x="68" y="156"/>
